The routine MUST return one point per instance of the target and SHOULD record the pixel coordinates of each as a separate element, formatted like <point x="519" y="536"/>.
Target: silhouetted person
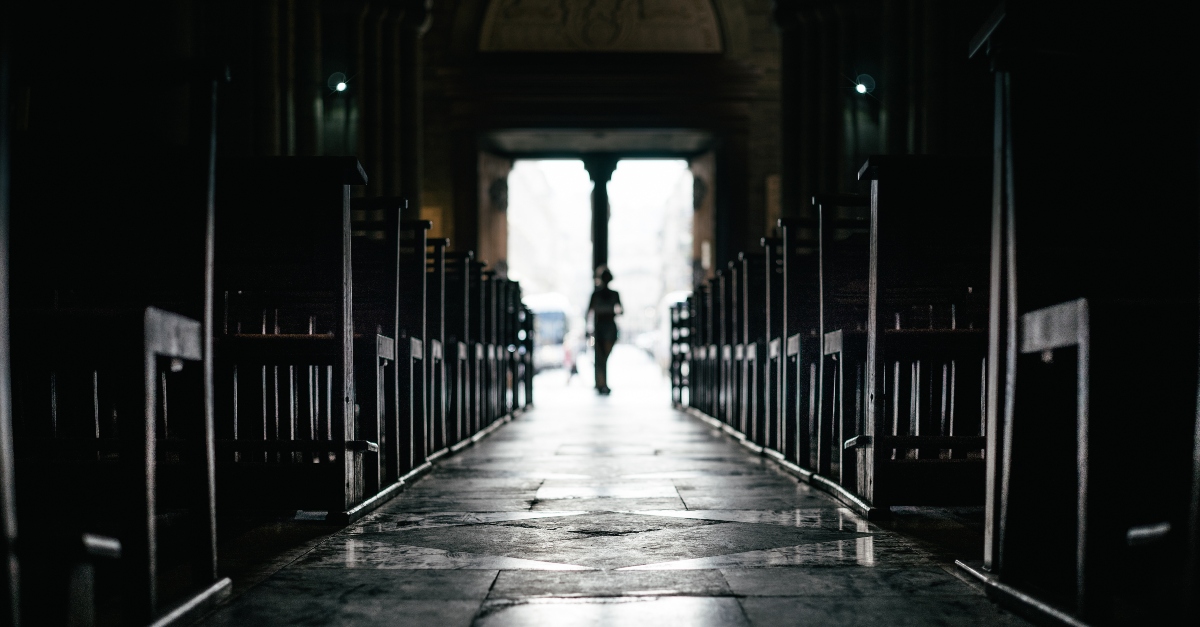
<point x="605" y="306"/>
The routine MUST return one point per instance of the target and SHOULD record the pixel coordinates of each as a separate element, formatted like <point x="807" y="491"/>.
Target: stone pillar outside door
<point x="600" y="167"/>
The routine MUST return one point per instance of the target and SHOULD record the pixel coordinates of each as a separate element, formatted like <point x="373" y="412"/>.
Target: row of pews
<point x="852" y="347"/>
<point x="231" y="340"/>
<point x="1017" y="336"/>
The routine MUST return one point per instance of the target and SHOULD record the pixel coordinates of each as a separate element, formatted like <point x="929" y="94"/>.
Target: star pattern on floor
<point x="597" y="540"/>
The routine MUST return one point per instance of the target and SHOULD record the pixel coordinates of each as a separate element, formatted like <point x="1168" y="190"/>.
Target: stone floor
<point x="613" y="511"/>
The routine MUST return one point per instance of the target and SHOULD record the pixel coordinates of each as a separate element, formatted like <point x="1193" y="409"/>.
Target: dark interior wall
<point x="281" y="54"/>
<point x="107" y="118"/>
<point x="928" y="96"/>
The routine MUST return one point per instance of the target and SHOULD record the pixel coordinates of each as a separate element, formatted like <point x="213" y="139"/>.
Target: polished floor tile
<point x="837" y="581"/>
<point x="951" y="611"/>
<point x="613" y="511"/>
<point x="523" y="584"/>
<point x="366" y="598"/>
<point x="660" y="612"/>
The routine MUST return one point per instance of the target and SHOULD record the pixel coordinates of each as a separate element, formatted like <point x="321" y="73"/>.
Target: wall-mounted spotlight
<point x="864" y="84"/>
<point x="337" y="81"/>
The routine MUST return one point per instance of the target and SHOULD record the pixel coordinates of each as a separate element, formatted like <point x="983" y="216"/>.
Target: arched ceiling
<point x="689" y="26"/>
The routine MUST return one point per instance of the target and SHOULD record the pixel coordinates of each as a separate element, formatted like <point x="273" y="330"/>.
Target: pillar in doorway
<point x="600" y="168"/>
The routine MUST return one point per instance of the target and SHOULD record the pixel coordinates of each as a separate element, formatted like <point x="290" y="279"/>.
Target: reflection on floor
<point x="613" y="511"/>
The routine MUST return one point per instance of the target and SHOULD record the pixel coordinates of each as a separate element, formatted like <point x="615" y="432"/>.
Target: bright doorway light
<point x="650" y="247"/>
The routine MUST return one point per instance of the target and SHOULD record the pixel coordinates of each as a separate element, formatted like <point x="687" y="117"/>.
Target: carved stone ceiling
<point x="600" y="26"/>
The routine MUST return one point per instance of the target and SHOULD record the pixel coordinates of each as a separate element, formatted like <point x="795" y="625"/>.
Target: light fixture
<point x="337" y="81"/>
<point x="864" y="84"/>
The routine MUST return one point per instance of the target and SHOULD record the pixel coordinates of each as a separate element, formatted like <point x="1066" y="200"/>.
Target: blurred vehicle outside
<point x="554" y="327"/>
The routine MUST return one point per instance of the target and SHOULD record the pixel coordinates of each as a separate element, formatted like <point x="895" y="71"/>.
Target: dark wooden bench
<point x="922" y="439"/>
<point x="375" y="245"/>
<point x="109" y="362"/>
<point x="772" y="353"/>
<point x="752" y="283"/>
<point x="1093" y="328"/>
<point x="459" y="345"/>
<point x="121" y="429"/>
<point x="412" y="352"/>
<point x="477" y="350"/>
<point x="288" y="437"/>
<point x="845" y="260"/>
<point x="798" y="339"/>
<point x="439" y="436"/>
<point x="525" y="337"/>
<point x="727" y="316"/>
<point x="708" y="325"/>
<point x="680" y="369"/>
<point x="513" y="322"/>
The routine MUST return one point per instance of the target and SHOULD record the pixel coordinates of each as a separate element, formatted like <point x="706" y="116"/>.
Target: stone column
<point x="600" y="167"/>
<point x="412" y="29"/>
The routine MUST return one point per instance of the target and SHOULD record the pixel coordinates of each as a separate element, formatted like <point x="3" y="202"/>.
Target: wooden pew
<point x="488" y="336"/>
<point x="439" y="436"/>
<point x="479" y="371"/>
<point x="375" y="242"/>
<point x="1093" y="327"/>
<point x="511" y="320"/>
<point x="698" y="348"/>
<point x="459" y="345"/>
<point x="845" y="260"/>
<point x="411" y="354"/>
<point x="103" y="431"/>
<point x="799" y="339"/>
<point x="524" y="357"/>
<point x="680" y="371"/>
<point x="109" y="321"/>
<point x="921" y="441"/>
<point x="506" y="336"/>
<point x="709" y="330"/>
<point x="728" y="338"/>
<point x="751" y="271"/>
<point x="288" y="434"/>
<point x="772" y="357"/>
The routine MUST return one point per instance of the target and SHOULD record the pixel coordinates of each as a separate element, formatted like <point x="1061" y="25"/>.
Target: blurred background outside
<point x="550" y="252"/>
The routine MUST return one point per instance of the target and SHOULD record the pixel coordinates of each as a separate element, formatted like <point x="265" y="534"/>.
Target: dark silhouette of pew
<point x="921" y="436"/>
<point x="712" y="342"/>
<point x="843" y="310"/>
<point x="459" y="345"/>
<point x="798" y="338"/>
<point x="437" y="358"/>
<point x="110" y="353"/>
<point x="288" y="433"/>
<point x="772" y="349"/>
<point x="414" y="427"/>
<point x="124" y="436"/>
<point x="478" y="352"/>
<point x="375" y="247"/>
<point x="751" y="273"/>
<point x="525" y="336"/>
<point x="1076" y="425"/>
<point x="680" y="371"/>
<point x="727" y="315"/>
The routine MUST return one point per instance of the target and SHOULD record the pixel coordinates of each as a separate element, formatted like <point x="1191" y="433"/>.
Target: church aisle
<point x="612" y="511"/>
